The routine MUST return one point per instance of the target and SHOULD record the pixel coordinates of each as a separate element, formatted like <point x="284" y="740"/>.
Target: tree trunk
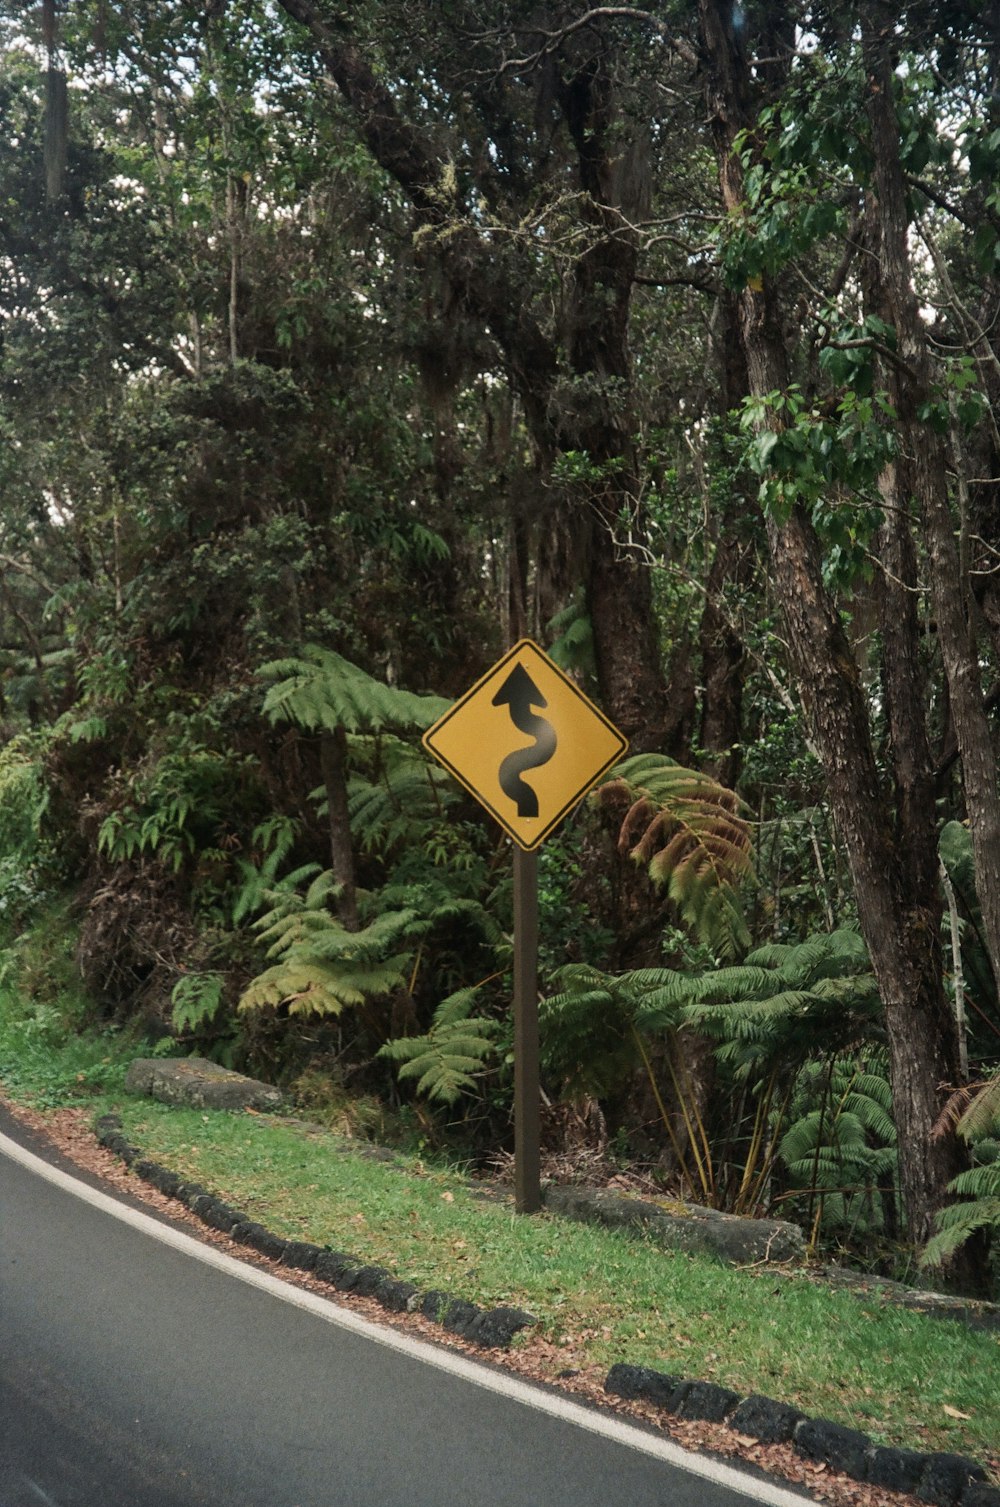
<point x="333" y="763"/>
<point x="723" y="660"/>
<point x="899" y="925"/>
<point x="910" y="384"/>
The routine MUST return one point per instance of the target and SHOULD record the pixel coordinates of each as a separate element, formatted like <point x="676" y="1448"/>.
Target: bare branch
<point x="552" y="40"/>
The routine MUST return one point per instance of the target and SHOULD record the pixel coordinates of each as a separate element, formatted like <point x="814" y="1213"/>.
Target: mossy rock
<point x="199" y="1084"/>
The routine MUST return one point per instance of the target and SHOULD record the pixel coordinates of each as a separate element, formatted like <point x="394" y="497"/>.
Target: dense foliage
<point x="340" y="350"/>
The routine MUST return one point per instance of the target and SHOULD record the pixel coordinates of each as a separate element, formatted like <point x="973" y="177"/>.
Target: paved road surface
<point x="140" y="1368"/>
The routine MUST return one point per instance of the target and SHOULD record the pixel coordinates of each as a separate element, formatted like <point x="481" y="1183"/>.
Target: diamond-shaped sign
<point x="526" y="742"/>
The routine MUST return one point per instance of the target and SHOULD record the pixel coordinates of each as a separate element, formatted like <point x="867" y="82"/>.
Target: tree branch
<point x="552" y="40"/>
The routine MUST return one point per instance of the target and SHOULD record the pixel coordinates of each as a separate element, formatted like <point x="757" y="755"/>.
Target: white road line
<point x="453" y="1362"/>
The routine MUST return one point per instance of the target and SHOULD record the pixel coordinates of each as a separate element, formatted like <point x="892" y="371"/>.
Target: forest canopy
<point x="340" y="349"/>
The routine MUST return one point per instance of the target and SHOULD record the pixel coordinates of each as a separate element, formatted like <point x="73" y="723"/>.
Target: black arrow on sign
<point x="519" y="694"/>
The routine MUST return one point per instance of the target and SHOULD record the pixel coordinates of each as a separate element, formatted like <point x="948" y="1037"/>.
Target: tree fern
<point x="689" y="832"/>
<point x="309" y="985"/>
<point x="983" y="1114"/>
<point x="276" y="836"/>
<point x="321" y="967"/>
<point x="449" y="1059"/>
<point x="571" y="639"/>
<point x="588" y="1040"/>
<point x="324" y="693"/>
<point x="196" y="999"/>
<point x="320" y="690"/>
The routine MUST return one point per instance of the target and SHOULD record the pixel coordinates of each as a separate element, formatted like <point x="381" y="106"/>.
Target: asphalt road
<point x="141" y="1368"/>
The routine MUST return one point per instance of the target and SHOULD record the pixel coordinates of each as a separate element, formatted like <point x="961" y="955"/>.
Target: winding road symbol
<point x="519" y="694"/>
<point x="526" y="742"/>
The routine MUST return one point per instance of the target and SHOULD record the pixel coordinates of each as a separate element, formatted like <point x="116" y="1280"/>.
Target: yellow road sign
<point x="526" y="742"/>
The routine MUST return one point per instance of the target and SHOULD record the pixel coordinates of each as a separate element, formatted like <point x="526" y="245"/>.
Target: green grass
<point x="41" y="1064"/>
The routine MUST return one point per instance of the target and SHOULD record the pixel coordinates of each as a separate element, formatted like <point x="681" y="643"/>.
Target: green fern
<point x="587" y="1034"/>
<point x="319" y="966"/>
<point x="276" y="836"/>
<point x="979" y="1187"/>
<point x="841" y="1151"/>
<point x="452" y="1056"/>
<point x="175" y="806"/>
<point x="321" y="691"/>
<point x="196" y="999"/>
<point x="787" y="1003"/>
<point x="310" y="985"/>
<point x="400" y="796"/>
<point x="689" y="833"/>
<point x="983" y="1114"/>
<point x="571" y="640"/>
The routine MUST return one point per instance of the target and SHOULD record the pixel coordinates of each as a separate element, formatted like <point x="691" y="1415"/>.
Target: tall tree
<point x="889" y="834"/>
<point x="574" y="378"/>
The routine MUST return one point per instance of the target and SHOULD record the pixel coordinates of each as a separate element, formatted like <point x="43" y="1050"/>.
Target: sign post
<point x="527" y="1087"/>
<point x="528" y="787"/>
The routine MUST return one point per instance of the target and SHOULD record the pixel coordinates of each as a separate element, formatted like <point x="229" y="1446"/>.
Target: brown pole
<point x="527" y="1095"/>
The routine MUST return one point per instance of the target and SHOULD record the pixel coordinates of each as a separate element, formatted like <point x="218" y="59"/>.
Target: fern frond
<point x="983" y="1114"/>
<point x="688" y="832"/>
<point x="398" y="795"/>
<point x="958" y="1221"/>
<point x="448" y="1058"/>
<point x="872" y="1116"/>
<point x="308" y="986"/>
<point x="320" y="690"/>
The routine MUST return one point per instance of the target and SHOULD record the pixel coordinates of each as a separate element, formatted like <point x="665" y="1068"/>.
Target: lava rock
<point x="123" y="1149"/>
<point x="834" y="1445"/>
<point x="764" y="1419"/>
<point x="331" y="1265"/>
<point x="946" y="1479"/>
<point x="259" y="1239"/>
<point x="158" y="1177"/>
<point x="460" y="1318"/>
<point x="368" y="1278"/>
<point x="896" y="1469"/>
<point x="646" y="1385"/>
<point x="199" y="1083"/>
<point x="496" y="1327"/>
<point x="707" y="1402"/>
<point x="106" y="1127"/>
<point x="219" y="1216"/>
<point x="188" y="1192"/>
<point x="434" y="1304"/>
<point x="981" y="1494"/>
<point x="395" y="1295"/>
<point x="302" y="1255"/>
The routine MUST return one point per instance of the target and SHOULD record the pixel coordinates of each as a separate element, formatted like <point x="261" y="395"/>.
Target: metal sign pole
<point x="527" y="1095"/>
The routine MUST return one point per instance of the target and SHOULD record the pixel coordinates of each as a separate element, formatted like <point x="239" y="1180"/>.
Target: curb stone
<point x="896" y="1469"/>
<point x="765" y="1420"/>
<point x="490" y="1328"/>
<point x="947" y="1477"/>
<point x="843" y="1449"/>
<point x="942" y="1479"/>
